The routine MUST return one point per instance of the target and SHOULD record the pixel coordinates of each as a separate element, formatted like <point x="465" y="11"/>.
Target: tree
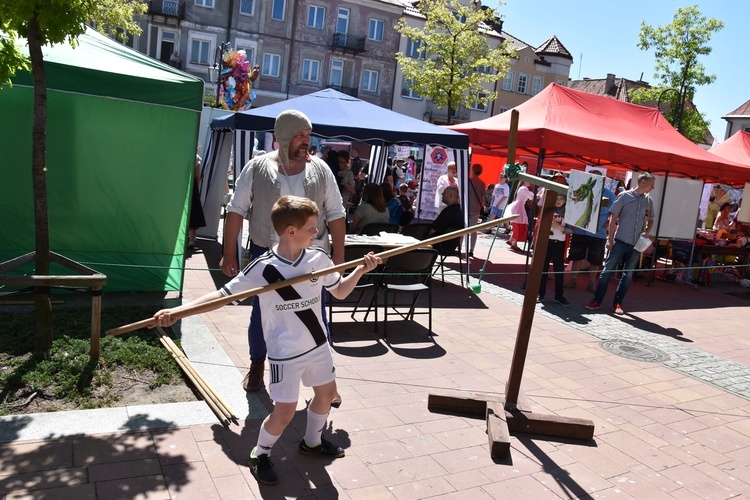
<point x="454" y="54"/>
<point x="677" y="48"/>
<point x="43" y="22"/>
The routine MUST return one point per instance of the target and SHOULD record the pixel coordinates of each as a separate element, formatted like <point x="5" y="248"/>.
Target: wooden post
<point x="96" y="321"/>
<point x="529" y="301"/>
<point x="513" y="136"/>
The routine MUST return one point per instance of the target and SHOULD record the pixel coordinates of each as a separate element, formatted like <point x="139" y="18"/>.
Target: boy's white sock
<point x="315" y="425"/>
<point x="266" y="441"/>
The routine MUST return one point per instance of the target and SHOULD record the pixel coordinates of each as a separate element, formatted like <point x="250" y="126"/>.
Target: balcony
<point x="167" y="8"/>
<point x="348" y="42"/>
<point x="350" y="91"/>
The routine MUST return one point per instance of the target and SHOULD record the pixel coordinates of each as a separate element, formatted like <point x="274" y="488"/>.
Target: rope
<point x="479" y="275"/>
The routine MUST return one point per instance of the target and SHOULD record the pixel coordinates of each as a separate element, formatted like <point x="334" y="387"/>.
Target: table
<point x="681" y="252"/>
<point x="385" y="240"/>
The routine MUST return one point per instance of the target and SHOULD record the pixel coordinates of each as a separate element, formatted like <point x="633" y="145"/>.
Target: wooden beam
<point x="452" y="402"/>
<point x="213" y="304"/>
<point x="497" y="431"/>
<point x="550" y="425"/>
<point x="55" y="281"/>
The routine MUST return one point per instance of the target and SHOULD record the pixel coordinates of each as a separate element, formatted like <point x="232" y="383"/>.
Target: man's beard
<point x="300" y="153"/>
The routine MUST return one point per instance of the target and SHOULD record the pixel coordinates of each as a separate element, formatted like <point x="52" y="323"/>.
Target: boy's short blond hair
<point x="292" y="211"/>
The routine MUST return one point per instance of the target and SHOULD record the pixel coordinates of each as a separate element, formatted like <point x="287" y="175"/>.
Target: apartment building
<point x="309" y="45"/>
<point x="530" y="71"/>
<point x="301" y="46"/>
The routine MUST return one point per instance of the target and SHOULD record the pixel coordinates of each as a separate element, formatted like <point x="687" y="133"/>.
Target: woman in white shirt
<point x="443" y="182"/>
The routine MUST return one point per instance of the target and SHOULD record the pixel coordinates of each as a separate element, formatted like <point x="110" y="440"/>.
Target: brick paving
<point x="678" y="428"/>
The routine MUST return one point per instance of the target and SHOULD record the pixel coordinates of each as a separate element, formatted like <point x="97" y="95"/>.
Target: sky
<point x="602" y="37"/>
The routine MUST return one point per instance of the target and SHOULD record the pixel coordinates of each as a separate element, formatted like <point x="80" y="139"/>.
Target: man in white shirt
<point x="288" y="171"/>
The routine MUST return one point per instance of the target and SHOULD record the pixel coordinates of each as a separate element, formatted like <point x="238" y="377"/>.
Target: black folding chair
<point x="418" y="230"/>
<point x="408" y="274"/>
<point x="367" y="282"/>
<point x="375" y="228"/>
<point x="449" y="248"/>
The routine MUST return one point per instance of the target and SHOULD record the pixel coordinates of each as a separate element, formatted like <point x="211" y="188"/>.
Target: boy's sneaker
<point x="261" y="468"/>
<point x="562" y="301"/>
<point x="593" y="305"/>
<point x="325" y="448"/>
<point x="539" y="299"/>
<point x="617" y="308"/>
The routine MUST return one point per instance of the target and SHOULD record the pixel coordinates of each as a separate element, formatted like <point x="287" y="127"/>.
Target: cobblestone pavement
<point x="727" y="374"/>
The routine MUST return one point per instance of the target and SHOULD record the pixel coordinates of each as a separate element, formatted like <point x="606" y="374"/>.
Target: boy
<point x="293" y="328"/>
<point x="556" y="253"/>
<point x="406" y="204"/>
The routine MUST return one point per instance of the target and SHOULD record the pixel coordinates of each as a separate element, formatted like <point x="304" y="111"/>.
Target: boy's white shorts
<point x="314" y="369"/>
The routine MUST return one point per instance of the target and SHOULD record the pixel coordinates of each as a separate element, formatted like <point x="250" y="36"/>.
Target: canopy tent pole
<point x="658" y="226"/>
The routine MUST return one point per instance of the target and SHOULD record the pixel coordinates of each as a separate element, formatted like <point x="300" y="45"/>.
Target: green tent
<point x="121" y="142"/>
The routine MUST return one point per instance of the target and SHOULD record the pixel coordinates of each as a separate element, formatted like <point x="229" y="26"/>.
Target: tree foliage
<point x="677" y="47"/>
<point x="454" y="51"/>
<point x="43" y="22"/>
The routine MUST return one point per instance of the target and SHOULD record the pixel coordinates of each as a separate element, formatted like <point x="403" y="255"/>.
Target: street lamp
<point x="214" y="72"/>
<point x="679" y="106"/>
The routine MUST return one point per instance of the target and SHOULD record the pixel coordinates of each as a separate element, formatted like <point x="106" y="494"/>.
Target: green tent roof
<point x="98" y="65"/>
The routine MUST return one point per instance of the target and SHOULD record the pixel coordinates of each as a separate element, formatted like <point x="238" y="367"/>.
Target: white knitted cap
<point x="288" y="124"/>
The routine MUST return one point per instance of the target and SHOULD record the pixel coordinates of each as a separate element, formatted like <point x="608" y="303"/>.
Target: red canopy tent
<point x="561" y="126"/>
<point x="736" y="148"/>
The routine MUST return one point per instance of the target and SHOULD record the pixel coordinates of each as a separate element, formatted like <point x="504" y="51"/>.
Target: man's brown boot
<point x="253" y="381"/>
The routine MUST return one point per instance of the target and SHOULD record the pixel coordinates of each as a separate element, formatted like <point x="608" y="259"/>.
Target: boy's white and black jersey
<point x="291" y="316"/>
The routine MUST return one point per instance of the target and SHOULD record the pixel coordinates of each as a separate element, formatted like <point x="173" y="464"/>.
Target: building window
<point x="205" y="3"/>
<point x="562" y="82"/>
<point x="502" y="109"/>
<point x="271" y="65"/>
<point x="370" y="81"/>
<point x="199" y="50"/>
<point x="478" y="106"/>
<point x="407" y="91"/>
<point x="337" y="72"/>
<point x="523" y="83"/>
<point x="376" y="30"/>
<point x="536" y="85"/>
<point x="277" y="10"/>
<point x="342" y="21"/>
<point x="484" y="69"/>
<point x="526" y="59"/>
<point x="310" y="70"/>
<point x="247" y="7"/>
<point x="414" y="49"/>
<point x="508" y="81"/>
<point x="315" y="16"/>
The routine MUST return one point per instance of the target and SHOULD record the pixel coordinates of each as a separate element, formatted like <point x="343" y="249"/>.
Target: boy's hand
<point x="164" y="318"/>
<point x="371" y="262"/>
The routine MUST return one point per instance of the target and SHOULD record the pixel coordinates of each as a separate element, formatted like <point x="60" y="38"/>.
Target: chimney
<point x="609" y="85"/>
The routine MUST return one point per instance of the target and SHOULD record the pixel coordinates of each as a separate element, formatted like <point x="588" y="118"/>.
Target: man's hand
<point x="229" y="266"/>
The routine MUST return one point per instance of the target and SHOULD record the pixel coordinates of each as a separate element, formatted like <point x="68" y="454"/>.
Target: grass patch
<point x="65" y="377"/>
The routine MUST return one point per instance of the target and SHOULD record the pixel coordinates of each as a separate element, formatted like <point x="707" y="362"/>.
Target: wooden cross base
<point x="501" y="421"/>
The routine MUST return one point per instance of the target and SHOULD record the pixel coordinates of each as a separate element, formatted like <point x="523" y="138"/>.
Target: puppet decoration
<point x="584" y="199"/>
<point x="235" y="81"/>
